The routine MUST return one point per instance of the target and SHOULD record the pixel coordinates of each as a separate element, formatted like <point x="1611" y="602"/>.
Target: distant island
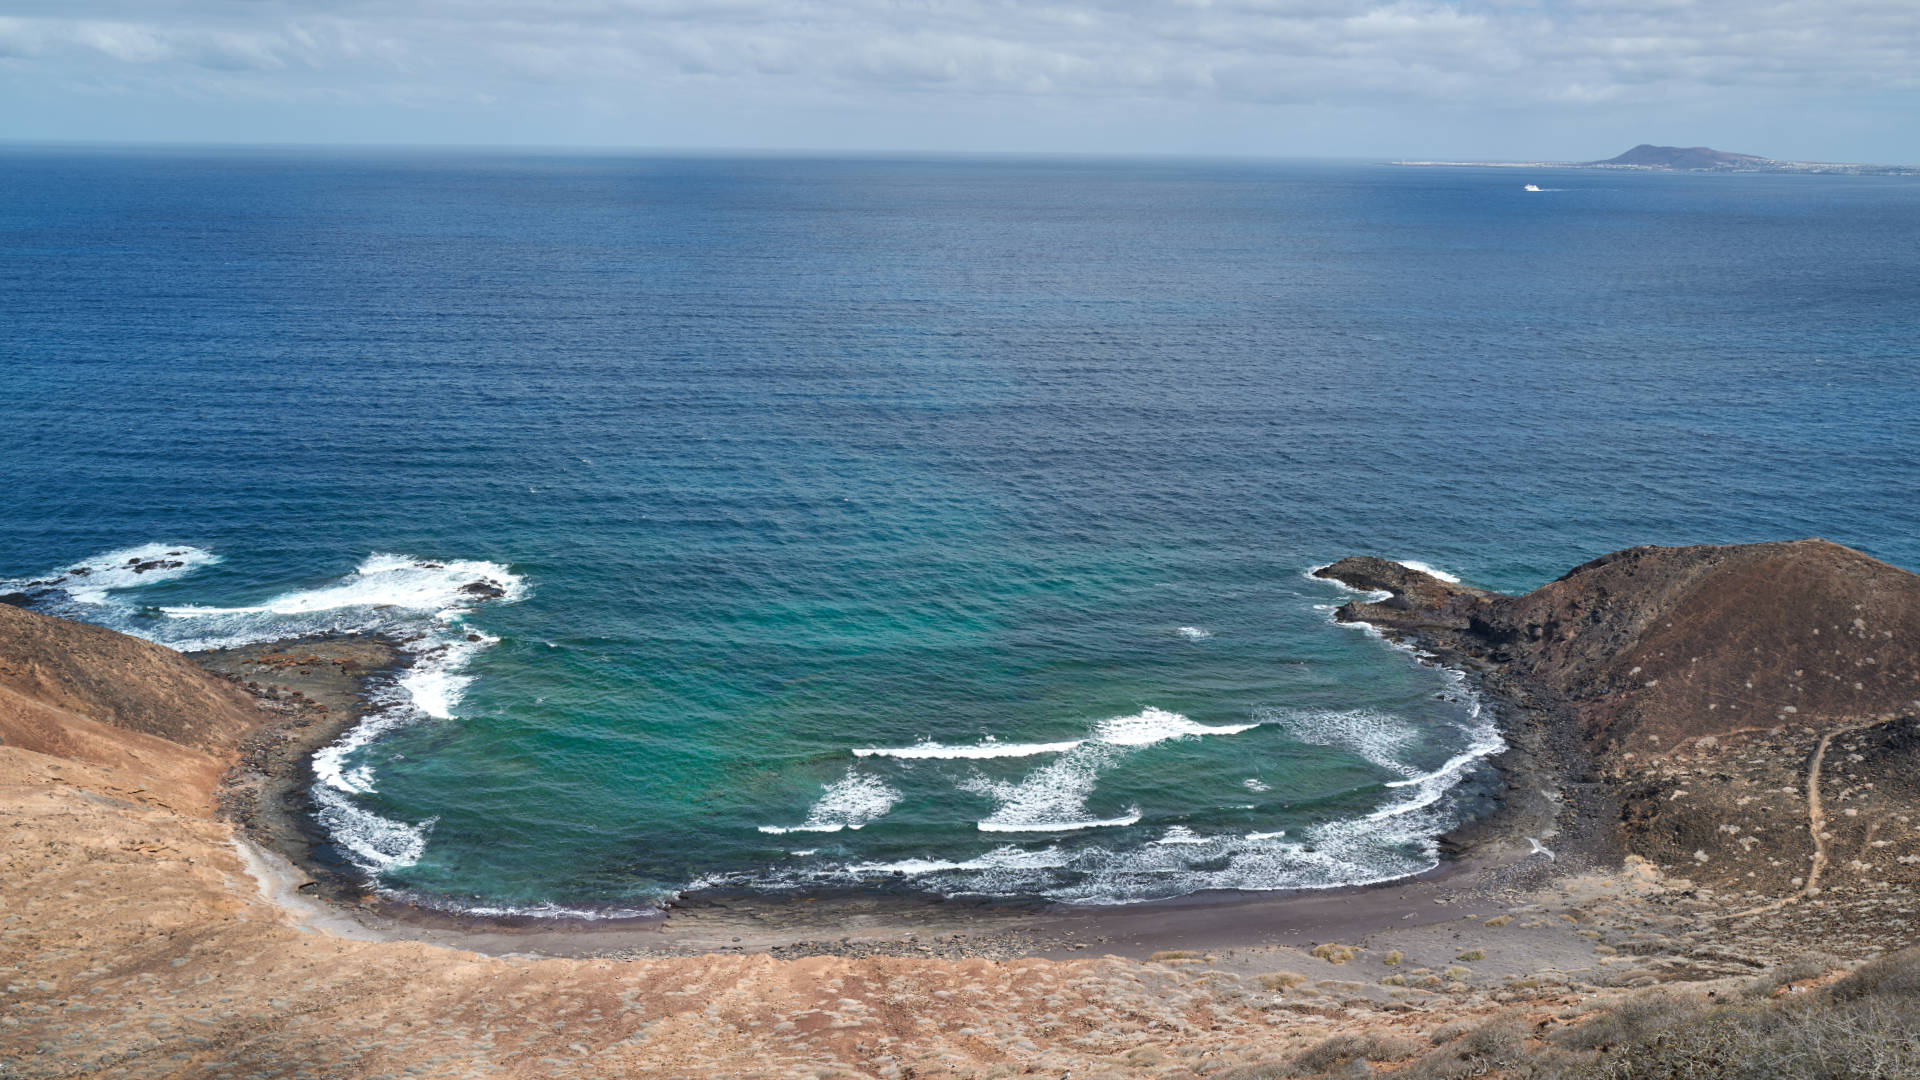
<point x="1649" y="158"/>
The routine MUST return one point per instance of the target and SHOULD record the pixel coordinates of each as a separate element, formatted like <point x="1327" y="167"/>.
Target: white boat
<point x="1533" y="187"/>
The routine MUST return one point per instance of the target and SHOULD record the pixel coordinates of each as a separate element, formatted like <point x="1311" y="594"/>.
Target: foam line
<point x="983" y="750"/>
<point x="1429" y="569"/>
<point x="1129" y="818"/>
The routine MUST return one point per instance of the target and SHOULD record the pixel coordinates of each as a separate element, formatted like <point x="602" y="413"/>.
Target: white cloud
<point x="872" y="55"/>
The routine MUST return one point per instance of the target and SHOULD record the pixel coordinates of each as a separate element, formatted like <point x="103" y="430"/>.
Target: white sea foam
<point x="1050" y="798"/>
<point x="986" y="748"/>
<point x="91" y="581"/>
<point x="1194" y="633"/>
<point x="1180" y="834"/>
<point x="848" y="803"/>
<point x="548" y="910"/>
<point x="1373" y="596"/>
<point x="1180" y="861"/>
<point x="374" y="843"/>
<point x="1053" y="798"/>
<point x="1393" y="840"/>
<point x="1142" y="729"/>
<point x="385" y="589"/>
<point x="1005" y="857"/>
<point x="1383" y="739"/>
<point x="423" y="603"/>
<point x="1379" y="737"/>
<point x="1255" y="784"/>
<point x="1150" y="725"/>
<point x="1131" y="817"/>
<point x="1429" y="569"/>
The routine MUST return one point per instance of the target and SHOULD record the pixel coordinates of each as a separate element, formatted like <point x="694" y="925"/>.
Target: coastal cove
<point x="301" y="682"/>
<point x="112" y="752"/>
<point x="844" y="517"/>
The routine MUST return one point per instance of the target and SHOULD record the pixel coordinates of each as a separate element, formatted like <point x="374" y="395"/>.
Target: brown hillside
<point x="1652" y="646"/>
<point x="74" y="690"/>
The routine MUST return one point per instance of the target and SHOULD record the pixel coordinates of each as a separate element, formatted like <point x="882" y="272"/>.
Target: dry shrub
<point x="1335" y="954"/>
<point x="1471" y="955"/>
<point x="1275" y="1070"/>
<point x="1446" y="1033"/>
<point x="1498" y="920"/>
<point x="1896" y="976"/>
<point x="1799" y="969"/>
<point x="1340" y="1050"/>
<point x="1500" y="1044"/>
<point x="1634" y="1019"/>
<point x="1281" y="980"/>
<point x="1864" y="1027"/>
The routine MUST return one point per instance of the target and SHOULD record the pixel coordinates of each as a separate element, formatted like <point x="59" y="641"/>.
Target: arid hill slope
<point x="1652" y="646"/>
<point x="87" y="693"/>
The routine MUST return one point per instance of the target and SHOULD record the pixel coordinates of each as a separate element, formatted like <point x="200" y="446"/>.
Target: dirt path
<point x="1816" y="817"/>
<point x="1816" y="825"/>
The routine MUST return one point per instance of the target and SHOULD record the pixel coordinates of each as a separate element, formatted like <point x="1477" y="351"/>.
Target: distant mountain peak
<point x="1649" y="156"/>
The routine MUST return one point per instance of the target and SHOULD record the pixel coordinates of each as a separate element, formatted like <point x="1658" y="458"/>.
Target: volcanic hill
<point x="1710" y="687"/>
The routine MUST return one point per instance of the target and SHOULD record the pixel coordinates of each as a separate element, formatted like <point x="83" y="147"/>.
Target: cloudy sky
<point x="1818" y="79"/>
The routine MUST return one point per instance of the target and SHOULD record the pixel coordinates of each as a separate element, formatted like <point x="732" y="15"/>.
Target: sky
<point x="1835" y="80"/>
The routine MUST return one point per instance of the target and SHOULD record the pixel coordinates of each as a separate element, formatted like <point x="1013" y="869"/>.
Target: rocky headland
<point x="1747" y="717"/>
<point x="1714" y="751"/>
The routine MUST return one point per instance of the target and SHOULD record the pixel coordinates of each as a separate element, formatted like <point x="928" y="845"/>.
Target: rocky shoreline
<point x="314" y="689"/>
<point x="1759" y="777"/>
<point x="1567" y="804"/>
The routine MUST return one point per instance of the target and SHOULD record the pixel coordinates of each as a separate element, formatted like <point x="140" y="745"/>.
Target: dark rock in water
<point x="17" y="599"/>
<point x="473" y="637"/>
<point x="155" y="564"/>
<point x="483" y="588"/>
<point x="80" y="571"/>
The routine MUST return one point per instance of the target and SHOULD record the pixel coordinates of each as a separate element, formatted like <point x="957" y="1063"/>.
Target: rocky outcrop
<point x="1653" y="646"/>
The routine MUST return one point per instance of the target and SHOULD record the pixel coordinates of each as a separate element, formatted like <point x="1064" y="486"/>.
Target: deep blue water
<point x="778" y="459"/>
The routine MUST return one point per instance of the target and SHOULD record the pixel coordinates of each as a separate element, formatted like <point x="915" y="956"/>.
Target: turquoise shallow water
<point x="775" y="461"/>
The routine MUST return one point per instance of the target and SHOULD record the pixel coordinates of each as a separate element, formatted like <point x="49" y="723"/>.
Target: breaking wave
<point x="848" y="803"/>
<point x="1053" y="798"/>
<point x="422" y="604"/>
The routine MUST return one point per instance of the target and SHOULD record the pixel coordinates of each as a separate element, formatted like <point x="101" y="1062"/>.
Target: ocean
<point x="928" y="525"/>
